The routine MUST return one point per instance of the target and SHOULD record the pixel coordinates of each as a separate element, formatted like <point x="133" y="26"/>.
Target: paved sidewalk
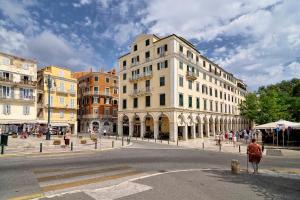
<point x="211" y="145"/>
<point x="18" y="146"/>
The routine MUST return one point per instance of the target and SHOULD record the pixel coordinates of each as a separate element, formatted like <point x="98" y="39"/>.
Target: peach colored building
<point x="97" y="101"/>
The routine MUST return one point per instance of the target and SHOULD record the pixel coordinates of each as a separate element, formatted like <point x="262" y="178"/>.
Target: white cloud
<point x="82" y="3"/>
<point x="270" y="32"/>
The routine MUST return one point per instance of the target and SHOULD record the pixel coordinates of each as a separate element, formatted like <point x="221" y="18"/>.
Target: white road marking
<point x="118" y="191"/>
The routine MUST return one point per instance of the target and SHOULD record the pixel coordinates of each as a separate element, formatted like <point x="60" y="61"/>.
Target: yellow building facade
<point x="63" y="98"/>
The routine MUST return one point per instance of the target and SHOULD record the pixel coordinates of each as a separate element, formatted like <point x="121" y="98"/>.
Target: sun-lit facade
<point x="168" y="89"/>
<point x="63" y="97"/>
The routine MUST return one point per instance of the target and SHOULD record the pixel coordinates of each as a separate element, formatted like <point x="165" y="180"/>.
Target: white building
<point x="168" y="89"/>
<point x="17" y="92"/>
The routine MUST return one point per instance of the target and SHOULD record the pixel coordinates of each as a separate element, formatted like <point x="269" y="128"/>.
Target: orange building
<point x="97" y="101"/>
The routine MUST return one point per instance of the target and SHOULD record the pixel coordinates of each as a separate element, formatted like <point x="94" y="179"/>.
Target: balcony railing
<point x="27" y="83"/>
<point x="97" y="93"/>
<point x="191" y="75"/>
<point x="6" y="79"/>
<point x="139" y="92"/>
<point x="73" y="92"/>
<point x="98" y="116"/>
<point x="12" y="97"/>
<point x="141" y="76"/>
<point x="134" y="64"/>
<point x="61" y="90"/>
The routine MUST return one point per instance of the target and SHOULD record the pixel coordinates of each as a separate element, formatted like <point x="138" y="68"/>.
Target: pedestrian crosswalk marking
<point x="82" y="173"/>
<point x="89" y="181"/>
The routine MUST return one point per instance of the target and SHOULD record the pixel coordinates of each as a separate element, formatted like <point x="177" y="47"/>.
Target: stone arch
<point x="125" y="123"/>
<point x="163" y="126"/>
<point x="149" y="125"/>
<point x="136" y="120"/>
<point x="211" y="125"/>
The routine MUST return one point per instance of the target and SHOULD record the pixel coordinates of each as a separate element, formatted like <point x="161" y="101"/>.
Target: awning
<point x="60" y="124"/>
<point x="14" y="121"/>
<point x="280" y="123"/>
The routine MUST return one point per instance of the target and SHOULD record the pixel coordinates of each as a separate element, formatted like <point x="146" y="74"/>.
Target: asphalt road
<point x="21" y="176"/>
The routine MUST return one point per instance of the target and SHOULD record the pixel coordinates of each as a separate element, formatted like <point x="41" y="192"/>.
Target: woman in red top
<point x="255" y="154"/>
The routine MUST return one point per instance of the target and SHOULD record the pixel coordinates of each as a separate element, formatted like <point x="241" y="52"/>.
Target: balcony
<point x="98" y="93"/>
<point x="26" y="83"/>
<point x="97" y="116"/>
<point x="148" y="59"/>
<point x="162" y="54"/>
<point x="5" y="79"/>
<point x="61" y="90"/>
<point x="17" y="98"/>
<point x="134" y="64"/>
<point x="191" y="75"/>
<point x="72" y="92"/>
<point x="140" y="92"/>
<point x="141" y="76"/>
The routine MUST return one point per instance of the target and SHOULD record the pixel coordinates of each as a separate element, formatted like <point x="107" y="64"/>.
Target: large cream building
<point x="17" y="92"/>
<point x="168" y="89"/>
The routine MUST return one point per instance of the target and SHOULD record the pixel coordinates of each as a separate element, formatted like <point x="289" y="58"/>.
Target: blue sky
<point x="258" y="41"/>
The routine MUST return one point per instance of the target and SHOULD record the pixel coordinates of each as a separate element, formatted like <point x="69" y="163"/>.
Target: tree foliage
<point x="273" y="102"/>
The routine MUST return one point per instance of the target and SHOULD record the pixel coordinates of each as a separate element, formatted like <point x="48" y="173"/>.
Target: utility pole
<point x="49" y="85"/>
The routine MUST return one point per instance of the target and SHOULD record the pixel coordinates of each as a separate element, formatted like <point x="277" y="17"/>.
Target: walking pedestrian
<point x="234" y="138"/>
<point x="67" y="137"/>
<point x="230" y="136"/>
<point x="254" y="152"/>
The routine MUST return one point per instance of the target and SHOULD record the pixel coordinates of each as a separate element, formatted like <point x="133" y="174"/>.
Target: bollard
<point x="41" y="147"/>
<point x="239" y="148"/>
<point x="112" y="144"/>
<point x="155" y="140"/>
<point x="220" y="147"/>
<point x="122" y="141"/>
<point x="235" y="167"/>
<point x="95" y="144"/>
<point x="202" y="145"/>
<point x="169" y="141"/>
<point x="148" y="139"/>
<point x="135" y="137"/>
<point x="116" y="137"/>
<point x="160" y="140"/>
<point x="71" y="146"/>
<point x="2" y="149"/>
<point x="177" y="142"/>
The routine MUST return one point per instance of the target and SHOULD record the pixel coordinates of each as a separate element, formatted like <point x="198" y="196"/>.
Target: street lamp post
<point x="49" y="85"/>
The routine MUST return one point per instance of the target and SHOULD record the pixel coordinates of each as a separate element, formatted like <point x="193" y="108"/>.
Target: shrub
<point x="56" y="142"/>
<point x="82" y="141"/>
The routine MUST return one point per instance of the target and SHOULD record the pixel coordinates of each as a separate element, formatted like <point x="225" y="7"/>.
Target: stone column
<point x="156" y="129"/>
<point x="173" y="134"/>
<point x="218" y="127"/>
<point x="200" y="129"/>
<point x="120" y="128"/>
<point x="193" y="129"/>
<point x="131" y="128"/>
<point x="142" y="129"/>
<point x="185" y="132"/>
<point x="214" y="129"/>
<point x="207" y="129"/>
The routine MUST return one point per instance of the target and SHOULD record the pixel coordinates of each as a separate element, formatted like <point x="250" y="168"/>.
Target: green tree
<point x="250" y="107"/>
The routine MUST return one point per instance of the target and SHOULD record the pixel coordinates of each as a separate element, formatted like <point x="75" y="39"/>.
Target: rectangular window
<point x="124" y="104"/>
<point x="135" y="102"/>
<point x="190" y="101"/>
<point x="106" y="80"/>
<point x="180" y="81"/>
<point x="124" y="89"/>
<point x="162" y="65"/>
<point x="106" y="100"/>
<point x="198" y="103"/>
<point x="216" y="93"/>
<point x="162" y="81"/>
<point x="72" y="115"/>
<point x="61" y="100"/>
<point x="95" y="100"/>
<point x="96" y="78"/>
<point x="147" y="42"/>
<point x="124" y="63"/>
<point x="61" y="114"/>
<point x="204" y="64"/>
<point x="26" y="110"/>
<point x="162" y="99"/>
<point x="211" y="106"/>
<point x="147" y="55"/>
<point x="180" y="65"/>
<point x="124" y="76"/>
<point x="197" y="87"/>
<point x="180" y="99"/>
<point x="135" y="47"/>
<point x="148" y="101"/>
<point x="217" y="109"/>
<point x="210" y="91"/>
<point x="181" y="49"/>
<point x="72" y="103"/>
<point x="221" y="94"/>
<point x="205" y="104"/>
<point x="190" y="84"/>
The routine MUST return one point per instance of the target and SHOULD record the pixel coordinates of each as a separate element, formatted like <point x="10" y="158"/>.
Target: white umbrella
<point x="281" y="123"/>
